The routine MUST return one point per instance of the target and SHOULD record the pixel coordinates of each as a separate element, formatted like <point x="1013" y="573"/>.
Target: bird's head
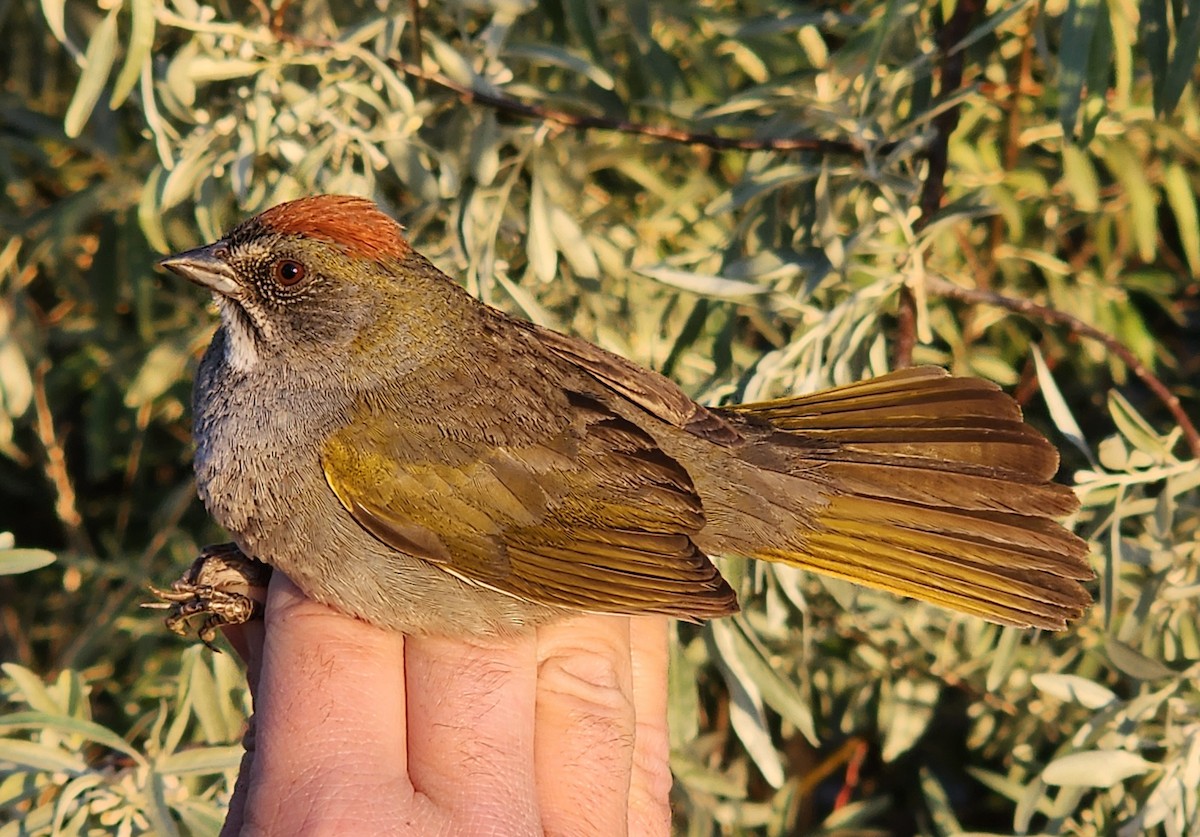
<point x="323" y="280"/>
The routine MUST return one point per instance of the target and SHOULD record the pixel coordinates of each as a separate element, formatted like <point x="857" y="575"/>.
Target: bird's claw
<point x="223" y="585"/>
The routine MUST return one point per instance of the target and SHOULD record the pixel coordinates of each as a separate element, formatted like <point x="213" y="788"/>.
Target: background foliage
<point x="1044" y="151"/>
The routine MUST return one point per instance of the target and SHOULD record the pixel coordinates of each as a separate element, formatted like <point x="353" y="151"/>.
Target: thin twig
<point x="564" y="119"/>
<point x="1012" y="140"/>
<point x="116" y="601"/>
<point x="281" y="11"/>
<point x="263" y="10"/>
<point x="950" y="75"/>
<point x="974" y="296"/>
<point x="65" y="506"/>
<point x="414" y="12"/>
<point x="906" y="328"/>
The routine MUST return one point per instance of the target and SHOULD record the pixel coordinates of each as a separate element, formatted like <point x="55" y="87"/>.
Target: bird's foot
<point x="223" y="585"/>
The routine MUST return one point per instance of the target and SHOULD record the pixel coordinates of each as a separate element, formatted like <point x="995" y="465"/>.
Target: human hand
<point x="361" y="731"/>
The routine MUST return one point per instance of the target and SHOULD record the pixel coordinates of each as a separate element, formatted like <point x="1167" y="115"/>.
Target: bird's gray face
<point x="281" y="298"/>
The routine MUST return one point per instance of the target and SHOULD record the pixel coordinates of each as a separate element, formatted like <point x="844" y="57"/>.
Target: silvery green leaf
<point x="703" y="284"/>
<point x="905" y="713"/>
<point x="137" y="53"/>
<point x="1074" y="689"/>
<point x="204" y="69"/>
<point x="179" y="80"/>
<point x="16" y="384"/>
<point x="1142" y="212"/>
<point x="190" y="168"/>
<point x="97" y="63"/>
<point x="1063" y="418"/>
<point x="573" y="244"/>
<point x="201" y="760"/>
<point x="1133" y="426"/>
<point x="55" y="13"/>
<point x="759" y="185"/>
<point x="1095" y="768"/>
<point x="539" y="247"/>
<point x="453" y="64"/>
<point x="65" y="803"/>
<point x="1004" y="657"/>
<point x="1133" y="662"/>
<point x="1079" y="175"/>
<point x="200" y="816"/>
<point x="69" y="726"/>
<point x="207" y="702"/>
<point x="16" y="561"/>
<point x="30" y="755"/>
<point x="746" y="709"/>
<point x="155" y="807"/>
<point x="559" y="57"/>
<point x="30" y="689"/>
<point x="779" y="693"/>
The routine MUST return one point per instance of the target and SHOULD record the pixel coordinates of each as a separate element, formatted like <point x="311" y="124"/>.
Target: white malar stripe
<point x="241" y="349"/>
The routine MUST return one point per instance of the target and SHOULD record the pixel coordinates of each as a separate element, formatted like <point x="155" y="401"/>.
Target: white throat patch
<point x="241" y="349"/>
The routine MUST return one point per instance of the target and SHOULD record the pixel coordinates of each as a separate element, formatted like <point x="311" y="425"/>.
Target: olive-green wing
<point x="594" y="517"/>
<point x="659" y="396"/>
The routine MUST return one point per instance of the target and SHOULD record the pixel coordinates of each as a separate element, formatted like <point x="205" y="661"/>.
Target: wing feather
<point x="608" y="529"/>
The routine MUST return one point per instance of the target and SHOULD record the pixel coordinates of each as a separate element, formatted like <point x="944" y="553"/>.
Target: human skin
<point x="360" y="730"/>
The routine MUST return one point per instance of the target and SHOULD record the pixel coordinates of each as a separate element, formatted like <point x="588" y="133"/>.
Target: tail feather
<point x="935" y="488"/>
<point x="933" y="482"/>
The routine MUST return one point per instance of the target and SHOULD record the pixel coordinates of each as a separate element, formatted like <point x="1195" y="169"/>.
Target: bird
<point x="432" y="465"/>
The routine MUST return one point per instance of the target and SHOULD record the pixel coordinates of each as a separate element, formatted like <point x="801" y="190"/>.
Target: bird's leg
<point x="223" y="585"/>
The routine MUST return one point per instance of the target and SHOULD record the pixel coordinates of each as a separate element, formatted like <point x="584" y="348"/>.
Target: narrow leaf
<point x="16" y="561"/>
<point x="70" y="726"/>
<point x="1095" y="768"/>
<point x="97" y="64"/>
<point x="1063" y="418"/>
<point x="1182" y="68"/>
<point x="703" y="284"/>
<point x="1182" y="200"/>
<point x="141" y="42"/>
<point x="1072" y="688"/>
<point x="746" y="709"/>
<point x="1128" y="660"/>
<point x="201" y="760"/>
<point x="1078" y="26"/>
<point x="29" y="755"/>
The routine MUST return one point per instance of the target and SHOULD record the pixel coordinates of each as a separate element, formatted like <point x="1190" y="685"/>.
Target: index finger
<point x="330" y="714"/>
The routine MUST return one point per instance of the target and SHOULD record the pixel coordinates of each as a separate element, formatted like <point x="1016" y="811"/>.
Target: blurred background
<point x="754" y="197"/>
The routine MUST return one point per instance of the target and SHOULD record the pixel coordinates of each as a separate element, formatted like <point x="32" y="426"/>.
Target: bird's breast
<point x="257" y="462"/>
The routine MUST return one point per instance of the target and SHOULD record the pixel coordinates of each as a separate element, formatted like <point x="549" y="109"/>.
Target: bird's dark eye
<point x="288" y="272"/>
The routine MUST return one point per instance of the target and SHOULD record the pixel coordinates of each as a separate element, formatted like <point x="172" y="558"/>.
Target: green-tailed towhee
<point x="432" y="465"/>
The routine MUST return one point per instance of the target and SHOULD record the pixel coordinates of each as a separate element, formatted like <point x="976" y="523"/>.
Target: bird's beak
<point x="205" y="266"/>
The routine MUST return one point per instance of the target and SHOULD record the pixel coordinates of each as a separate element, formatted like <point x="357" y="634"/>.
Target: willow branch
<point x="937" y="155"/>
<point x="943" y="288"/>
<point x="564" y="119"/>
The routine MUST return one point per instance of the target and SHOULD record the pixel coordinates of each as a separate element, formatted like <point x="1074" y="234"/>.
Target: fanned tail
<point x="935" y="488"/>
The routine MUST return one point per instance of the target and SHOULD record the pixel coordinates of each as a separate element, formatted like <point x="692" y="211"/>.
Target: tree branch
<point x="1033" y="310"/>
<point x="526" y="110"/>
<point x="950" y="74"/>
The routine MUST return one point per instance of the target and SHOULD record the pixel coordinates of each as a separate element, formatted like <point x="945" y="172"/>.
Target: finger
<point x="585" y="725"/>
<point x="650" y="785"/>
<point x="330" y="721"/>
<point x="235" y="816"/>
<point x="470" y="720"/>
<point x="246" y="639"/>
